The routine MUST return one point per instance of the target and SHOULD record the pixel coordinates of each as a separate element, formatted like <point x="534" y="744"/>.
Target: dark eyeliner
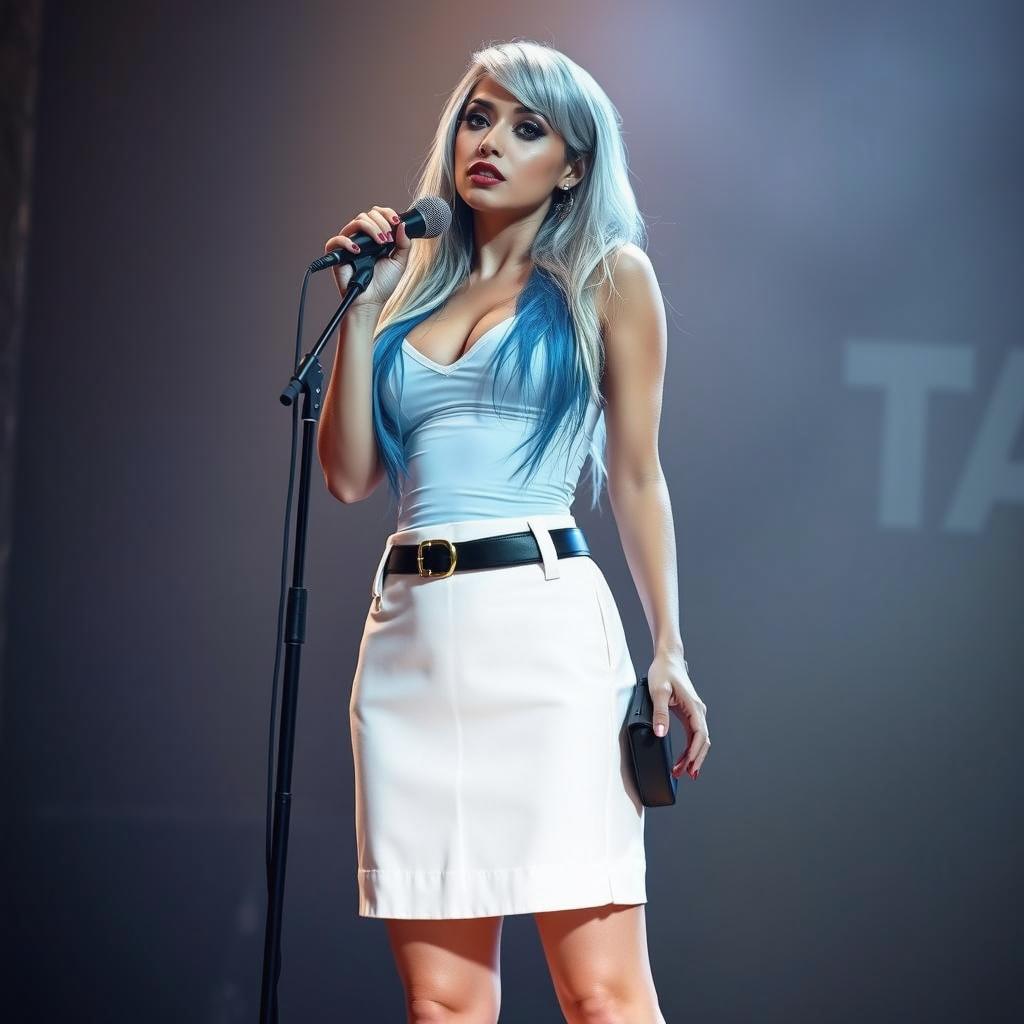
<point x="538" y="131"/>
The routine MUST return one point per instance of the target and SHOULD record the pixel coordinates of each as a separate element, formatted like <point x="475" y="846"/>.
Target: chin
<point x="478" y="199"/>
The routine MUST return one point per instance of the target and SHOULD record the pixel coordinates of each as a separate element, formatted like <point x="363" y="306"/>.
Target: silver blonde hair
<point x="574" y="253"/>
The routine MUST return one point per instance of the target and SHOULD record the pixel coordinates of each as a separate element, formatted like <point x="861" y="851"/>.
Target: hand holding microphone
<point x="386" y="236"/>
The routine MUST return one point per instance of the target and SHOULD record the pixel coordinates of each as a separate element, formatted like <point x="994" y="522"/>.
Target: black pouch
<point x="651" y="755"/>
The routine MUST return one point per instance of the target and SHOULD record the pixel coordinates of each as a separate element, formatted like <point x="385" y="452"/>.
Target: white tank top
<point x="462" y="454"/>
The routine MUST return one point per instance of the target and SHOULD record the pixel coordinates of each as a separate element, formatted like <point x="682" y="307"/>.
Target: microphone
<point x="429" y="217"/>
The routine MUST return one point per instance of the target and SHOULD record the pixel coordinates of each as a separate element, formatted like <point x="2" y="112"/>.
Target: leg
<point x="449" y="968"/>
<point x="599" y="965"/>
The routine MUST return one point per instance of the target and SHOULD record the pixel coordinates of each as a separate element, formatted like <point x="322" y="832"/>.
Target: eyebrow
<point x="519" y="110"/>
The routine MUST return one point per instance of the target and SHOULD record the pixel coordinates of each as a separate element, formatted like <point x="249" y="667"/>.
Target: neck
<point x="502" y="243"/>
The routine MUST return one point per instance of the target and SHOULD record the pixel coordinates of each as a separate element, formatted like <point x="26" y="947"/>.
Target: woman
<point x="492" y="774"/>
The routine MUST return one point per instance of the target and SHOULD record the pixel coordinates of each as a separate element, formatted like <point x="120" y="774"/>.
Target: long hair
<point x="572" y="254"/>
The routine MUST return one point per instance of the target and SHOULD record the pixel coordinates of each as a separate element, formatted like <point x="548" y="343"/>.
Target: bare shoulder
<point x="632" y="276"/>
<point x="632" y="310"/>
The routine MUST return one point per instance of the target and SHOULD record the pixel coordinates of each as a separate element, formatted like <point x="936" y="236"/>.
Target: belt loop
<point x="376" y="591"/>
<point x="547" y="549"/>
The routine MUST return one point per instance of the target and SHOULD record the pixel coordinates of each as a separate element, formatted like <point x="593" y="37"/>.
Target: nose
<point x="486" y="146"/>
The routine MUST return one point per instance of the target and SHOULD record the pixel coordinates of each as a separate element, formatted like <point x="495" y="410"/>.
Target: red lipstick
<point x="483" y="173"/>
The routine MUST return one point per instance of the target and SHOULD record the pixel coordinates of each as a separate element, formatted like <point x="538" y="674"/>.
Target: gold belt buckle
<point x="419" y="557"/>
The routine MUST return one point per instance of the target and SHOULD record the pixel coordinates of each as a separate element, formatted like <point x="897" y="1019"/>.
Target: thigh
<point x="449" y="966"/>
<point x="599" y="963"/>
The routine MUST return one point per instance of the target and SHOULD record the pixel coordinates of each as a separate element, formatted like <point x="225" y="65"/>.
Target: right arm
<point x="346" y="443"/>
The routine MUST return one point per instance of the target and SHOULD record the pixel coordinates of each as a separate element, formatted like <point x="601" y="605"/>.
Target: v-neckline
<point x="451" y="367"/>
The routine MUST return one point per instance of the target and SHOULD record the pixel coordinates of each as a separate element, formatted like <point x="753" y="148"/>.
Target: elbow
<point x="337" y="486"/>
<point x="346" y="494"/>
<point x="338" y="490"/>
<point x="635" y="477"/>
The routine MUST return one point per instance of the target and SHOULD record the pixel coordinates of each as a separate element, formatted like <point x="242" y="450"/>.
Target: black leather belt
<point x="442" y="557"/>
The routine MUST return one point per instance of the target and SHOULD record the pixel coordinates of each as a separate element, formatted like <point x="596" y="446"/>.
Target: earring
<point x="566" y="204"/>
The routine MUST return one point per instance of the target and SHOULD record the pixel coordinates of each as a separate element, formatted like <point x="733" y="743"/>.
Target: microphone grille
<point x="436" y="214"/>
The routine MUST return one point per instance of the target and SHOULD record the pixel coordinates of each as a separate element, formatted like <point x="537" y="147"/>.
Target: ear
<point x="578" y="169"/>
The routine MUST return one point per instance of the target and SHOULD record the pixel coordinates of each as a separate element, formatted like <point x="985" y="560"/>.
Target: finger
<point x="367" y="226"/>
<point x="660" y="695"/>
<point x="694" y="768"/>
<point x="402" y="239"/>
<point x="693" y="749"/>
<point x="337" y="242"/>
<point x="341" y="242"/>
<point x="346" y="231"/>
<point x="397" y="228"/>
<point x="699" y="761"/>
<point x="367" y="223"/>
<point x="380" y="222"/>
<point x="683" y="759"/>
<point x="693" y="758"/>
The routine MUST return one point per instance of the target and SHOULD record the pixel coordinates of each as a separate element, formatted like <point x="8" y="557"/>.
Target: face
<point x="520" y="144"/>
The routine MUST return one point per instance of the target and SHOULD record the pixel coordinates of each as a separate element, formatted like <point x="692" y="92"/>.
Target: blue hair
<point x="542" y="317"/>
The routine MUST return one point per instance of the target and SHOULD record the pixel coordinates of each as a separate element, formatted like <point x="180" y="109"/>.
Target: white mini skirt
<point x="491" y="767"/>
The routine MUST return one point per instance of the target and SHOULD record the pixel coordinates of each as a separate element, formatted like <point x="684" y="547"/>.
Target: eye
<point x="536" y="133"/>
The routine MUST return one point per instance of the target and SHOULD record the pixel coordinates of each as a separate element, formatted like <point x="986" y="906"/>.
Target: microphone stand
<point x="308" y="381"/>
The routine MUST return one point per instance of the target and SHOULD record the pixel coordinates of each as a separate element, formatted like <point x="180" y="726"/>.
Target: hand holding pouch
<point x="651" y="755"/>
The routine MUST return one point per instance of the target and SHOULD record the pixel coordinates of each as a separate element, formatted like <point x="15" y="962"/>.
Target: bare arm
<point x="636" y="347"/>
<point x="346" y="443"/>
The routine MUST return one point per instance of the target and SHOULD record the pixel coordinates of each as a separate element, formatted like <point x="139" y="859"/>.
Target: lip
<point x="482" y="165"/>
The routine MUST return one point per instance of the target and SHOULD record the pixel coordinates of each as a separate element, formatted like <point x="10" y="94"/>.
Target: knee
<point x="425" y="1010"/>
<point x="429" y="1011"/>
<point x="599" y="1006"/>
<point x="603" y="1005"/>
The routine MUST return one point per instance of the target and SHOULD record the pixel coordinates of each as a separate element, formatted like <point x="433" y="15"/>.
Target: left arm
<point x="635" y="338"/>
